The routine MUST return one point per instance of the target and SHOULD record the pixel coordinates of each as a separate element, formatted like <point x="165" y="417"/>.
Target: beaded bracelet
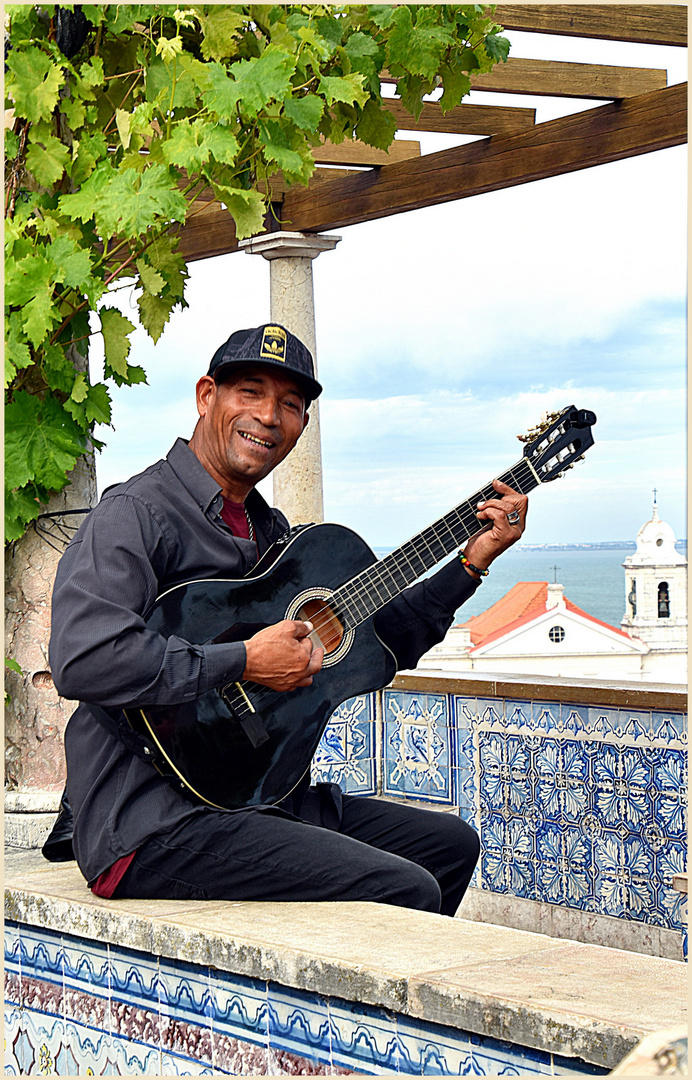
<point x="475" y="569"/>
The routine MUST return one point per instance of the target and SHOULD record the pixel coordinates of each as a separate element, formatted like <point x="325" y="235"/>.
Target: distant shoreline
<point x="601" y="545"/>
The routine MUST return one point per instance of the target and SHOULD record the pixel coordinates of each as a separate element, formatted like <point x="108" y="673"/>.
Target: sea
<point x="592" y="576"/>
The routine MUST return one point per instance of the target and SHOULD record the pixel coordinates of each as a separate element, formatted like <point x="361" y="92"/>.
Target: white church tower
<point x="656" y="598"/>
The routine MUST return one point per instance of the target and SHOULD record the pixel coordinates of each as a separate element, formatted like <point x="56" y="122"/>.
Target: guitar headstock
<point x="555" y="445"/>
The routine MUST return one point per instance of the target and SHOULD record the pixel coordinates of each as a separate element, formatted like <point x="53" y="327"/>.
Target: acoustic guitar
<point x="244" y="744"/>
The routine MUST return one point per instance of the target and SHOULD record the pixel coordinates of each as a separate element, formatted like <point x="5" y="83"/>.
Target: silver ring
<point x="514" y="517"/>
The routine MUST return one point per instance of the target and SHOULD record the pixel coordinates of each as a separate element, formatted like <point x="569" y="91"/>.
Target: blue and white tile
<point x="41" y="954"/>
<point x="299" y="1022"/>
<point x="670" y="861"/>
<point x="417" y="747"/>
<point x="345" y="754"/>
<point x="239" y="1006"/>
<point x="507" y="856"/>
<point x="489" y="712"/>
<point x="573" y="720"/>
<point x="363" y="1036"/>
<point x="669" y="728"/>
<point x="86" y="965"/>
<point x="518" y="715"/>
<point x="622" y="786"/>
<point x="43" y="1037"/>
<point x="561" y="780"/>
<point x="134" y="977"/>
<point x="185" y="992"/>
<point x="12" y="1029"/>
<point x="603" y="722"/>
<point x="431" y="1050"/>
<point x="464" y="711"/>
<point x="503" y="782"/>
<point x="491" y="1057"/>
<point x="624" y="882"/>
<point x="563" y="870"/>
<point x="670" y="788"/>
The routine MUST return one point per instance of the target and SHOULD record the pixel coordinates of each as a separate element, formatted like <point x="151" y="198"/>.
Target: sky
<point x="445" y="332"/>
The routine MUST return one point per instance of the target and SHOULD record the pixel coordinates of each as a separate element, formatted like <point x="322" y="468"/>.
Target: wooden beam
<point x="354" y="152"/>
<point x="559" y="78"/>
<point x="593" y="137"/>
<point x="464" y="119"/>
<point x="211" y="231"/>
<point x="653" y="24"/>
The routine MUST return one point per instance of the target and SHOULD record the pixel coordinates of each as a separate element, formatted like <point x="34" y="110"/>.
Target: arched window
<point x="663" y="601"/>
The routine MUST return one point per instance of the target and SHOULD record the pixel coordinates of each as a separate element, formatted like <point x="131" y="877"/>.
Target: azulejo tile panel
<point x="230" y="1025"/>
<point x="578" y="806"/>
<point x="417" y="746"/>
<point x="346" y="752"/>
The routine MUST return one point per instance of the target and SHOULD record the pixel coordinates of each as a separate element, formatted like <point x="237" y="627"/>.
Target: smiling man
<point x="196" y="515"/>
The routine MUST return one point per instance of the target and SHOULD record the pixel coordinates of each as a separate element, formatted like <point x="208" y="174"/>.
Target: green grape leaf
<point x="81" y="205"/>
<point x="305" y="112"/>
<point x="58" y="370"/>
<point x="80" y="387"/>
<point x="348" y="89"/>
<point x="42" y="442"/>
<point x="497" y="47"/>
<point x="220" y="29"/>
<point x="115" y="329"/>
<point x="21" y="507"/>
<point x="188" y="146"/>
<point x="38" y="317"/>
<point x="134" y="202"/>
<point x="247" y="209"/>
<point x="34" y="83"/>
<point x="376" y="126"/>
<point x="72" y="265"/>
<point x="222" y="143"/>
<point x="154" y="313"/>
<point x="152" y="281"/>
<point x="47" y="162"/>
<point x="98" y="403"/>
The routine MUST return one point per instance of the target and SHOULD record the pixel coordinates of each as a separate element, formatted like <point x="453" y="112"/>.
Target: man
<point x="197" y="515"/>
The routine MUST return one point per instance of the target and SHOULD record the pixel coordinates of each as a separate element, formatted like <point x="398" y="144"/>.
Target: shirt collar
<point x="205" y="490"/>
<point x="192" y="474"/>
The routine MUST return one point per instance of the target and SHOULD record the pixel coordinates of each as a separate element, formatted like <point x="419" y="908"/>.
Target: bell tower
<point x="656" y="588"/>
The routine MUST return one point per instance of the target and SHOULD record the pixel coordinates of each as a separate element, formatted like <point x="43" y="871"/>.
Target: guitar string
<point x="363" y="595"/>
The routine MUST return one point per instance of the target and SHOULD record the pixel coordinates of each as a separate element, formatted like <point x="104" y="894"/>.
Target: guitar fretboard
<point x="359" y="598"/>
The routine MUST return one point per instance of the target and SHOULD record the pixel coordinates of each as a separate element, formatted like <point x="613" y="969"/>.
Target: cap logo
<point x="274" y="344"/>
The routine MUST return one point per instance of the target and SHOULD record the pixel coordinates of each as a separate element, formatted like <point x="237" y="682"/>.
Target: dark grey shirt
<point x="157" y="530"/>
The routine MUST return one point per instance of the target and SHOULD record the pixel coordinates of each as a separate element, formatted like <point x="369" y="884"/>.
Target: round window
<point x="556" y="634"/>
<point x="659" y="542"/>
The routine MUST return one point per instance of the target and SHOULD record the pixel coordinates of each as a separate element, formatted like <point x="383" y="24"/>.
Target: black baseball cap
<point x="271" y="345"/>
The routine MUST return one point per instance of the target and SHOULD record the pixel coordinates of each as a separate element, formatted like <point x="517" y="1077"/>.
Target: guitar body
<point x="203" y="748"/>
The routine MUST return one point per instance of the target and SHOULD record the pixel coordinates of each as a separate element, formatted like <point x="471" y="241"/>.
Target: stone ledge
<point x="564" y="997"/>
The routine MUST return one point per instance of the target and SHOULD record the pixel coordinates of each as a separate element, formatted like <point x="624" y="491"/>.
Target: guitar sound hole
<point x="328" y="629"/>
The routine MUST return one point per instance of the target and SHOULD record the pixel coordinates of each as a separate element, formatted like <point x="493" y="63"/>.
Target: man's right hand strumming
<point x="282" y="656"/>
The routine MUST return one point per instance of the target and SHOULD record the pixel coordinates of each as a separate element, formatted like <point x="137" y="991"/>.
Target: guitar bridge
<point x="243" y="711"/>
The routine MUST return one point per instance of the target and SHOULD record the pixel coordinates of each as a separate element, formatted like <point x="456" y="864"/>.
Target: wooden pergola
<point x="642" y="113"/>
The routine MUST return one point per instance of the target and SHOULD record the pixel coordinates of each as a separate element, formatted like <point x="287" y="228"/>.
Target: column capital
<point x="286" y="245"/>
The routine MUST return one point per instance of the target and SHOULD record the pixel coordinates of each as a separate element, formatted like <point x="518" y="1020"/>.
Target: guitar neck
<point x="359" y="598"/>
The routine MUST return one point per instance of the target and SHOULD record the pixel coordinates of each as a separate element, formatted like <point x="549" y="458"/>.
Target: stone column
<point x="298" y="480"/>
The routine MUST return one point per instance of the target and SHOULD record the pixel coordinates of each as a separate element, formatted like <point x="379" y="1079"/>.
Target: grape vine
<point x="119" y="118"/>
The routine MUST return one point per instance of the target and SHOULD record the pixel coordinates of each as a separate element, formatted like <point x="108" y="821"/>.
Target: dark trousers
<point x="382" y="851"/>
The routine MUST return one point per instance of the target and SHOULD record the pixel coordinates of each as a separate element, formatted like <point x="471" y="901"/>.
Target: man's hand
<point x="282" y="656"/>
<point x="500" y="533"/>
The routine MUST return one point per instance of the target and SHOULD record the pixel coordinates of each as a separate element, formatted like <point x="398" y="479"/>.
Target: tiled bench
<point x="166" y="987"/>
